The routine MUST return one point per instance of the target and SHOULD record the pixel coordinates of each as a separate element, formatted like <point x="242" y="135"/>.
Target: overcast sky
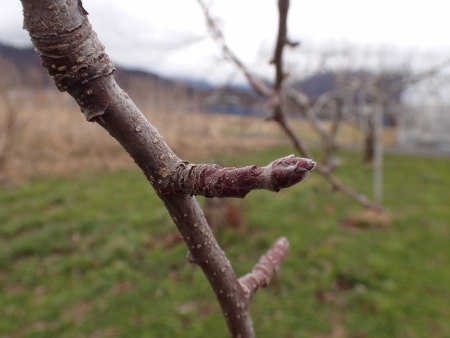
<point x="170" y="37"/>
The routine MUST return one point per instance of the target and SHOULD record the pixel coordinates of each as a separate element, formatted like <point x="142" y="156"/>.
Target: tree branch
<point x="266" y="269"/>
<point x="216" y="181"/>
<point x="74" y="57"/>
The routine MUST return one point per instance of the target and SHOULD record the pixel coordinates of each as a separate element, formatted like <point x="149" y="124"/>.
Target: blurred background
<point x="87" y="249"/>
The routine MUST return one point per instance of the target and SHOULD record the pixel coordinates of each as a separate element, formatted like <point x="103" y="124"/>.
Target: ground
<point x="98" y="256"/>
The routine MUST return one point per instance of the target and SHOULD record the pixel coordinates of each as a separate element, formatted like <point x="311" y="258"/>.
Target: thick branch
<point x="73" y="56"/>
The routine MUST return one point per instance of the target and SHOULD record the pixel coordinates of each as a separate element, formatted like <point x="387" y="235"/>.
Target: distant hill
<point x="33" y="74"/>
<point x="21" y="57"/>
<point x="28" y="63"/>
<point x="25" y="63"/>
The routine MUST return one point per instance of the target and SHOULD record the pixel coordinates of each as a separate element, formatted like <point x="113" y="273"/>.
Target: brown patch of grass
<point x="368" y="219"/>
<point x="14" y="289"/>
<point x="338" y="329"/>
<point x="109" y="332"/>
<point x="77" y="313"/>
<point x="122" y="287"/>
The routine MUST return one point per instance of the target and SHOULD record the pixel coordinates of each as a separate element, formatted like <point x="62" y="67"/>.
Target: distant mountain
<point x="19" y="56"/>
<point x="198" y="85"/>
<point x="28" y="63"/>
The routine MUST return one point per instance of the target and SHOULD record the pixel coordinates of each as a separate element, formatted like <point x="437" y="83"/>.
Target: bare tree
<point x="76" y="60"/>
<point x="280" y="92"/>
<point x="356" y="95"/>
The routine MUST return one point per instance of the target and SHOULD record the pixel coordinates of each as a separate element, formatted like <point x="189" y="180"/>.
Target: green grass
<point x="94" y="258"/>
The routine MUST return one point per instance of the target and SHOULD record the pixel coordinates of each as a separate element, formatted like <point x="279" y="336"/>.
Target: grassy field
<point x="99" y="257"/>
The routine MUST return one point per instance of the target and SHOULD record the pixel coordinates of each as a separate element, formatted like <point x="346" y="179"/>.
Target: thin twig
<point x="266" y="269"/>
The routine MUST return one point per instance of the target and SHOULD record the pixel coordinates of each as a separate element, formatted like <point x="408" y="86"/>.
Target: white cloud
<point x="142" y="33"/>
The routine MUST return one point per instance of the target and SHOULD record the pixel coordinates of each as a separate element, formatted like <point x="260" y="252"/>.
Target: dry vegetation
<point x="52" y="138"/>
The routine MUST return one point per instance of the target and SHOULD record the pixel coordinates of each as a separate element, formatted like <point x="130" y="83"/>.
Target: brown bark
<point x="73" y="56"/>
